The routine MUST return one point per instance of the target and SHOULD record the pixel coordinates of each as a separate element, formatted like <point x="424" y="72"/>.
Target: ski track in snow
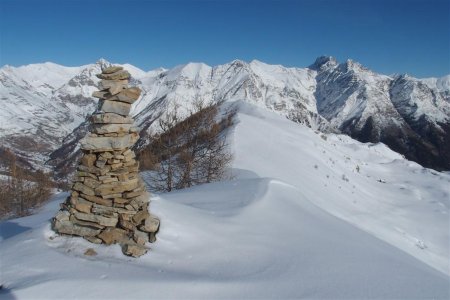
<point x="298" y="221"/>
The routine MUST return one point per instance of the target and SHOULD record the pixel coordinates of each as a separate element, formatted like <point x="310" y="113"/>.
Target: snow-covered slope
<point x="306" y="216"/>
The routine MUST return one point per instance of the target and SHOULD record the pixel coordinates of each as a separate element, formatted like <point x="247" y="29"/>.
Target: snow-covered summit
<point x="327" y="96"/>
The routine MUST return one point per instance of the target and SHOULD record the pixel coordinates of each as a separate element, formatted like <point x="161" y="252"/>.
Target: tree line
<point x="21" y="189"/>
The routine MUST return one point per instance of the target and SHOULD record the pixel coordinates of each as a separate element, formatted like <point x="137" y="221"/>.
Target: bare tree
<point x="189" y="152"/>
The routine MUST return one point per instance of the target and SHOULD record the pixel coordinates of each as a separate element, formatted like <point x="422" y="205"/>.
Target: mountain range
<point x="45" y="106"/>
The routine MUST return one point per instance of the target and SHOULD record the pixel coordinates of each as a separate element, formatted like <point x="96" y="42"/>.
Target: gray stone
<point x="151" y="224"/>
<point x="113" y="86"/>
<point x="129" y="95"/>
<point x="62" y="215"/>
<point x="67" y="227"/>
<point x="134" y="250"/>
<point x="140" y="216"/>
<point x="120" y="108"/>
<point x="140" y="237"/>
<point x="112" y="128"/>
<point x="105" y="221"/>
<point x="101" y="143"/>
<point x="111" y="118"/>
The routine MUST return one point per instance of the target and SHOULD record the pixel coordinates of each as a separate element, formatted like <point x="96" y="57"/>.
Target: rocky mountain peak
<point x="324" y="62"/>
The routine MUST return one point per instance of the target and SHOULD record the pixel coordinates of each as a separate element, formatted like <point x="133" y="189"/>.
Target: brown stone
<point x="126" y="224"/>
<point x="90" y="252"/>
<point x="83" y="207"/>
<point x="92" y="183"/>
<point x="78" y="186"/>
<point x="88" y="160"/>
<point x="113" y="235"/>
<point x="116" y="187"/>
<point x="105" y="221"/>
<point x="98" y="200"/>
<point x="94" y="170"/>
<point x="121" y="74"/>
<point x="81" y="174"/>
<point x="140" y="216"/>
<point x="93" y="239"/>
<point x="112" y="69"/>
<point x="111" y="118"/>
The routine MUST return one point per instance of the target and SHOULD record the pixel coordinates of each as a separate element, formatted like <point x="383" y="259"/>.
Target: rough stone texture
<point x="104" y="143"/>
<point x="120" y="108"/>
<point x="129" y="95"/>
<point x="134" y="250"/>
<point x="109" y="203"/>
<point x="111" y="118"/>
<point x="111" y="69"/>
<point x="112" y="128"/>
<point x="122" y="74"/>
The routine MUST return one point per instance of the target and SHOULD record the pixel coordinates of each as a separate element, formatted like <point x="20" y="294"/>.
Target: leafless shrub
<point x="188" y="152"/>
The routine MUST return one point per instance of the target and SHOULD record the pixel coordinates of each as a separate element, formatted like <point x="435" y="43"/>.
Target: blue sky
<point x="396" y="36"/>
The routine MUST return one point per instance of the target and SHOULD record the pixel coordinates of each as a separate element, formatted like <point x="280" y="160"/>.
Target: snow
<point x="279" y="229"/>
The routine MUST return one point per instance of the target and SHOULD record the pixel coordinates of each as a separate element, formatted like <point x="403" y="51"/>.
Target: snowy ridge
<point x="271" y="232"/>
<point x="43" y="103"/>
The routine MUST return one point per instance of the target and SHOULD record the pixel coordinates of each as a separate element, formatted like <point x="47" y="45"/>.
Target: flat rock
<point x="111" y="128"/>
<point x="101" y="143"/>
<point x="111" y="118"/>
<point x="116" y="187"/>
<point x="105" y="221"/>
<point x="78" y="186"/>
<point x="112" y="69"/>
<point x="67" y="227"/>
<point x="120" y="108"/>
<point x="118" y="75"/>
<point x="113" y="86"/>
<point x="129" y="95"/>
<point x="98" y="200"/>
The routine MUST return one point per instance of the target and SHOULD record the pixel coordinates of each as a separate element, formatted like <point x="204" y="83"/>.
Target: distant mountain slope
<point x="409" y="115"/>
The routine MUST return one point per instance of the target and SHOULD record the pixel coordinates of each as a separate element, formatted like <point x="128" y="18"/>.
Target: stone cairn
<point x="108" y="202"/>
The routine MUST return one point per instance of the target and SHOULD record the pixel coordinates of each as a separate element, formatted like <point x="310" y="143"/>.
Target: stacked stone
<point x="108" y="202"/>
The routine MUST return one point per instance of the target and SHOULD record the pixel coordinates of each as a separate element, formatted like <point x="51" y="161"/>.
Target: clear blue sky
<point x="388" y="36"/>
